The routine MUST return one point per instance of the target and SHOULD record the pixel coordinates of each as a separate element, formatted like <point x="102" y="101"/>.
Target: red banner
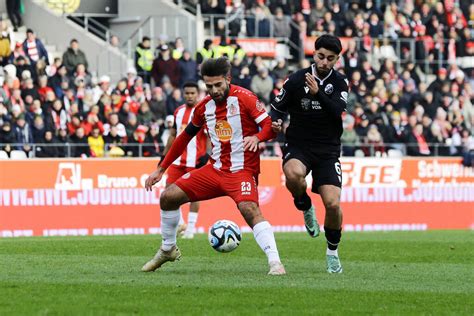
<point x="265" y="47"/>
<point x="107" y="197"/>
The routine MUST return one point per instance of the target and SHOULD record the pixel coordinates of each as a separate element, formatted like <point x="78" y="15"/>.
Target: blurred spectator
<point x="7" y="137"/>
<point x="13" y="9"/>
<point x="23" y="134"/>
<point x="175" y="100"/>
<point x="235" y="16"/>
<point x="47" y="147"/>
<point x="34" y="48"/>
<point x="373" y="141"/>
<point x="134" y="146"/>
<point x="158" y="104"/>
<point x="114" y="123"/>
<point x="144" y="115"/>
<point x="187" y="68"/>
<point x="262" y="85"/>
<point x="349" y="138"/>
<point x="205" y="53"/>
<point x="74" y="56"/>
<point x="80" y="146"/>
<point x="113" y="138"/>
<point x="144" y="59"/>
<point x="5" y="43"/>
<point x="114" y="41"/>
<point x="281" y="24"/>
<point x="178" y="48"/>
<point x="418" y="144"/>
<point x="96" y="143"/>
<point x="165" y="66"/>
<point x="280" y="71"/>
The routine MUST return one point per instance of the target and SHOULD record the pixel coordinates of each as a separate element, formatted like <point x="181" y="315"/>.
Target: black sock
<point x="333" y="237"/>
<point x="303" y="203"/>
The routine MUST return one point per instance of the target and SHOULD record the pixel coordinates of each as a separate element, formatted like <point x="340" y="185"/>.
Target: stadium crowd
<point x="395" y="100"/>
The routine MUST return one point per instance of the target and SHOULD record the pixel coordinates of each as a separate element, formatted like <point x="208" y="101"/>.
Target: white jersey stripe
<point x="179" y="123"/>
<point x="210" y="115"/>
<point x="236" y="142"/>
<point x="261" y="117"/>
<point x="192" y="148"/>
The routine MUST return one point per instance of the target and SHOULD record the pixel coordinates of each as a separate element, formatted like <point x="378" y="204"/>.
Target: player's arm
<point x="177" y="148"/>
<point x="279" y="106"/>
<point x="170" y="141"/>
<point x="260" y="116"/>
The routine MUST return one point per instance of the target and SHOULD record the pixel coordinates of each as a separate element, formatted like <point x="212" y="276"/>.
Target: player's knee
<point x="332" y="206"/>
<point x="250" y="212"/>
<point x="168" y="200"/>
<point x="293" y="175"/>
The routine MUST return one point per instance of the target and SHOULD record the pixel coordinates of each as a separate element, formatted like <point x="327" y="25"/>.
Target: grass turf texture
<point x="396" y="273"/>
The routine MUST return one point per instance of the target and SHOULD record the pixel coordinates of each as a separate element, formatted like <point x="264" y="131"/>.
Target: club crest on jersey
<point x="232" y="109"/>
<point x="182" y="128"/>
<point x="329" y="89"/>
<point x="305" y="104"/>
<point x="260" y="106"/>
<point x="223" y="131"/>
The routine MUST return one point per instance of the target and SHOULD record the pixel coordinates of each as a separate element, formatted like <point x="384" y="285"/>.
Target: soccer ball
<point x="224" y="236"/>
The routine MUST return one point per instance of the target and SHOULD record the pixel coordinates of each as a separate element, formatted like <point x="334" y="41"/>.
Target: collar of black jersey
<point x="315" y="75"/>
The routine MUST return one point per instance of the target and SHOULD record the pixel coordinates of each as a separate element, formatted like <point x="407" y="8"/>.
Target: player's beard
<point x="322" y="72"/>
<point x="223" y="97"/>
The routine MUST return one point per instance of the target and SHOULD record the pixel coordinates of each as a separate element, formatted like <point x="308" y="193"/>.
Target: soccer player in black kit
<point x="315" y="98"/>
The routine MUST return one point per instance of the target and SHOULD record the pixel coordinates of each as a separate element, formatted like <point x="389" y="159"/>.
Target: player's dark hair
<point x="191" y="84"/>
<point x="213" y="67"/>
<point x="330" y="42"/>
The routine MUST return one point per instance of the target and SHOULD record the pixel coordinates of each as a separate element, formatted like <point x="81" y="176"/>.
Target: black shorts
<point x="325" y="169"/>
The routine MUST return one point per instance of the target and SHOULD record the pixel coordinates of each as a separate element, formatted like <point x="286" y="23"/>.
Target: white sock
<point x="169" y="226"/>
<point x="181" y="219"/>
<point x="330" y="252"/>
<point x="263" y="234"/>
<point x="192" y="219"/>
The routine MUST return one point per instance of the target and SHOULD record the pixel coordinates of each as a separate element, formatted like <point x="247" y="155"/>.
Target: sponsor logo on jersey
<point x="280" y="95"/>
<point x="223" y="131"/>
<point x="329" y="89"/>
<point x="305" y="104"/>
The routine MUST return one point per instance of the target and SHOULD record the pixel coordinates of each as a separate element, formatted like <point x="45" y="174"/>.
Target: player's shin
<point x="263" y="234"/>
<point x="169" y="227"/>
<point x="333" y="237"/>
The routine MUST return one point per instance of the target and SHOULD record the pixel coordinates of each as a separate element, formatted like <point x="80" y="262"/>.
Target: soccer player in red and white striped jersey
<point x="194" y="156"/>
<point x="236" y="121"/>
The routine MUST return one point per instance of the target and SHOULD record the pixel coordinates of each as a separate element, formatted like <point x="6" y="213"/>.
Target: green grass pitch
<point x="384" y="273"/>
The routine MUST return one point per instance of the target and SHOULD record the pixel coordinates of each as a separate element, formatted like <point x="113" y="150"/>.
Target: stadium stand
<point x="410" y="71"/>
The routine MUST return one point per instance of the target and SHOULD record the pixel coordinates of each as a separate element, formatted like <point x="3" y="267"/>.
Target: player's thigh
<point x="240" y="186"/>
<point x="296" y="163"/>
<point x="201" y="184"/>
<point x="326" y="172"/>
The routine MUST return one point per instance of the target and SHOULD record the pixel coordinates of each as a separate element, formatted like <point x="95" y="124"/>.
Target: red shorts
<point x="208" y="183"/>
<point x="175" y="172"/>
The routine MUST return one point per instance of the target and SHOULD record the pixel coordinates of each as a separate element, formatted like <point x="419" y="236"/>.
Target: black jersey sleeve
<point x="337" y="102"/>
<point x="279" y="105"/>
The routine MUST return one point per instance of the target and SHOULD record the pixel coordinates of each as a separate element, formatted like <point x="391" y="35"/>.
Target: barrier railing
<point x="269" y="149"/>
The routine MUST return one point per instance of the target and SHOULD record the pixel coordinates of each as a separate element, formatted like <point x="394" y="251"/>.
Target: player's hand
<point x="251" y="143"/>
<point x="277" y="126"/>
<point x="154" y="178"/>
<point x="312" y="84"/>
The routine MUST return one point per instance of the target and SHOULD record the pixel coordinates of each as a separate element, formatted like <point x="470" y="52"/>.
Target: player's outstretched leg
<point x="331" y="196"/>
<point x="263" y="233"/>
<point x="295" y="173"/>
<point x="170" y="201"/>
<point x="303" y="203"/>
